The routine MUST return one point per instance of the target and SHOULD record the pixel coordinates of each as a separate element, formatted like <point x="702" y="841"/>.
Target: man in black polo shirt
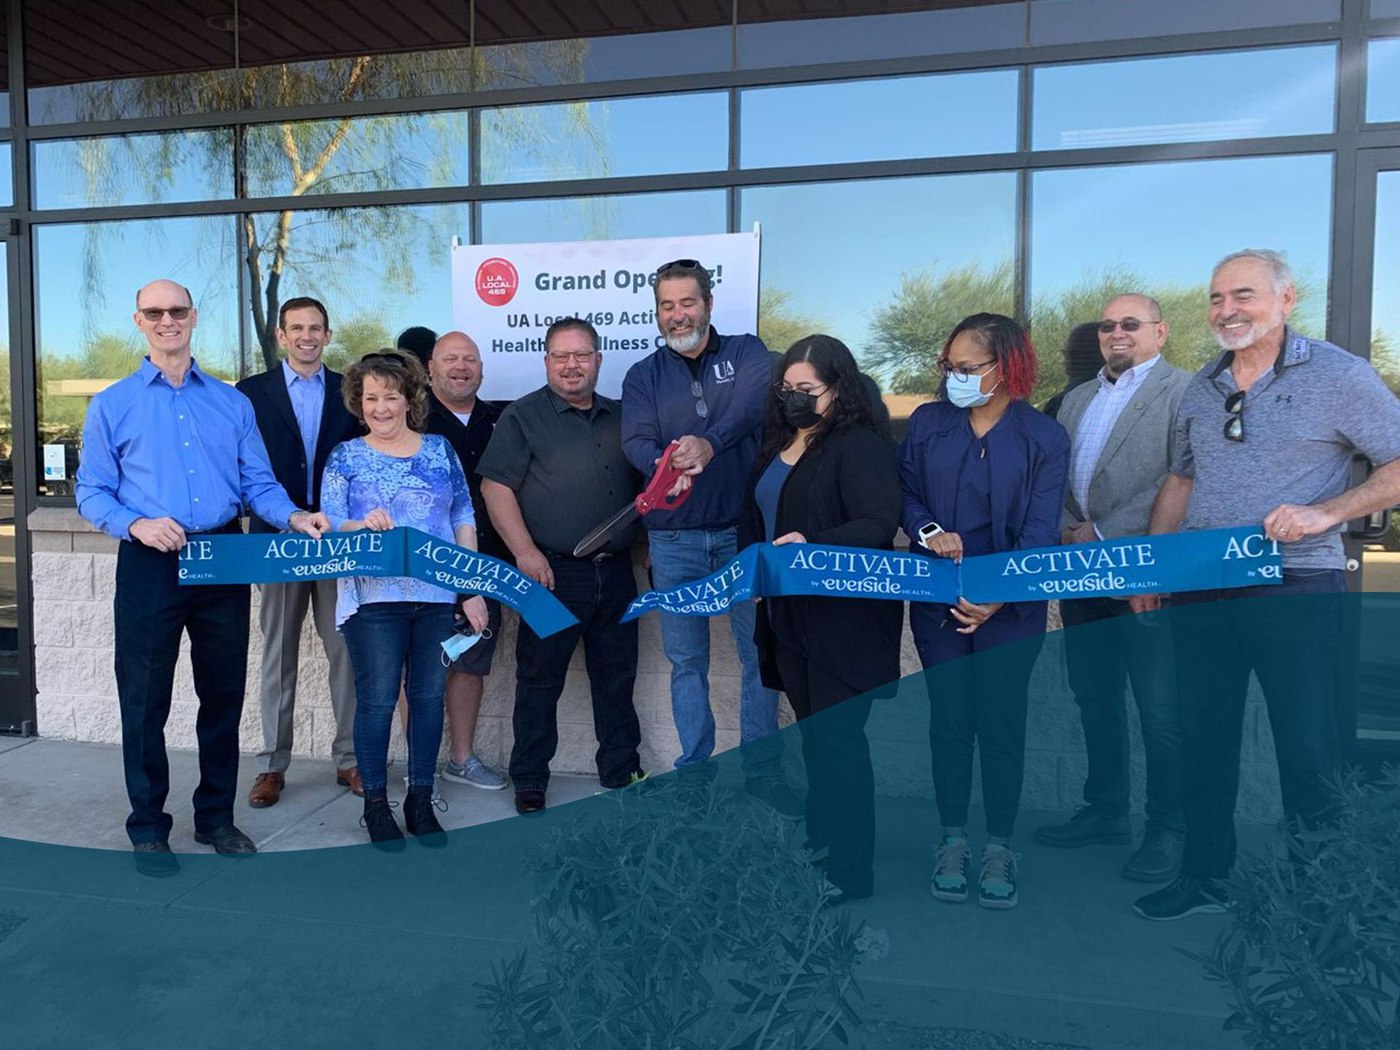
<point x="455" y="412"/>
<point x="553" y="470"/>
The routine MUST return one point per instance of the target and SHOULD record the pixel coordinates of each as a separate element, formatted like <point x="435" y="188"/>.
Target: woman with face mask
<point x="982" y="472"/>
<point x="826" y="474"/>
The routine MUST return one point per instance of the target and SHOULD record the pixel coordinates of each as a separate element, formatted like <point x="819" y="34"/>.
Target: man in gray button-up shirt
<point x="1266" y="435"/>
<point x="1120" y="424"/>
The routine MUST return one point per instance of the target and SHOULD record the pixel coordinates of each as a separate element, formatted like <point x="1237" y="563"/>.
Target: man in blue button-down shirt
<point x="170" y="451"/>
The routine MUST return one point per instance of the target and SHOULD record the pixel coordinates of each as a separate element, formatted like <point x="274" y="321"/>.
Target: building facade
<point x="907" y="163"/>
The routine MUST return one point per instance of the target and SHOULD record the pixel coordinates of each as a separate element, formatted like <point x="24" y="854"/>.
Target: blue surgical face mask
<point x="459" y="643"/>
<point x="966" y="391"/>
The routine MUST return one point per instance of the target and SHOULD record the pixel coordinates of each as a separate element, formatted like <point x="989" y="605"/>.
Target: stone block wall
<point x="74" y="569"/>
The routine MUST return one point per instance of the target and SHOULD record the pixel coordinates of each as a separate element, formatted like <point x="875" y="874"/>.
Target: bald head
<point x="166" y="315"/>
<point x="1136" y="332"/>
<point x="455" y="371"/>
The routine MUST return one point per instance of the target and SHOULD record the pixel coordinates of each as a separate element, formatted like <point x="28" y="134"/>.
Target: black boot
<point x="380" y="823"/>
<point x="419" y="818"/>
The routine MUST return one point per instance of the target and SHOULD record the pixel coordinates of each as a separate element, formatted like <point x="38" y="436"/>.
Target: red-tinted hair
<point x="1008" y="343"/>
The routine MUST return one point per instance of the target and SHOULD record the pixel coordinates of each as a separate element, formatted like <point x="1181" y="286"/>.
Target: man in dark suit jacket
<point x="455" y="412"/>
<point x="302" y="417"/>
<point x="1120" y="426"/>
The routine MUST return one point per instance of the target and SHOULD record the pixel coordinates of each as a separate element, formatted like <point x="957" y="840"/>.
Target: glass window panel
<point x="350" y="155"/>
<point x="871" y="119"/>
<point x="1159" y="228"/>
<point x="4" y="62"/>
<point x="133" y="169"/>
<point x="597" y="218"/>
<point x="1075" y="21"/>
<point x="7" y="189"/>
<point x="86" y="278"/>
<point x="9" y="602"/>
<point x="1228" y="95"/>
<point x="662" y="135"/>
<point x="1385" y="301"/>
<point x="1383" y="80"/>
<point x="891" y="267"/>
<point x="377" y="270"/>
<point x="623" y="57"/>
<point x="904" y="34"/>
<point x="1385" y="8"/>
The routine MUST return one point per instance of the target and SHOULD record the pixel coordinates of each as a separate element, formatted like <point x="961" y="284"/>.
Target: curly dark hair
<point x="402" y="371"/>
<point x="835" y="366"/>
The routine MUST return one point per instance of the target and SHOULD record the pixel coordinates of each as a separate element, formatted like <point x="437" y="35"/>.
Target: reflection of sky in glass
<point x="7" y="189"/>
<point x="840" y="248"/>
<point x="86" y="277"/>
<point x="660" y="135"/>
<point x="1185" y="98"/>
<point x="885" y="119"/>
<point x="1169" y="223"/>
<point x="134" y="169"/>
<point x="1383" y="80"/>
<point x="1385" y="8"/>
<point x="1071" y="21"/>
<point x="593" y="218"/>
<point x="403" y="151"/>
<point x="1385" y="294"/>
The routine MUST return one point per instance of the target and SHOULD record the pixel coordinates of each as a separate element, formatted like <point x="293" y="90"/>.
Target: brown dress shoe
<point x="266" y="790"/>
<point x="350" y="778"/>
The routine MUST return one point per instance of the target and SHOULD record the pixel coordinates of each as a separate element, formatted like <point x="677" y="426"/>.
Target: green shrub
<point x="1311" y="957"/>
<point x="683" y="920"/>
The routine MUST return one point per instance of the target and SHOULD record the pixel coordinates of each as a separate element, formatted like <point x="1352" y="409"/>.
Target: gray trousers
<point x="283" y="610"/>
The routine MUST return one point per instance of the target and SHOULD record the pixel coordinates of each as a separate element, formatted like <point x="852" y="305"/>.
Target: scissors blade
<point x="595" y="540"/>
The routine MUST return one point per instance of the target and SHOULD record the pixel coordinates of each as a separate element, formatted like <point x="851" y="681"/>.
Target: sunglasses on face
<point x="1234" y="426"/>
<point x="155" y="313"/>
<point x="1128" y="324"/>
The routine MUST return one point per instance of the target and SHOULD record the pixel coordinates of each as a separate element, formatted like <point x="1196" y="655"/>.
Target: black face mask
<point x="799" y="407"/>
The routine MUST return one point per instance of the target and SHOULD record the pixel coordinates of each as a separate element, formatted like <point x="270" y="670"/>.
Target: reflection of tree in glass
<point x="307" y="158"/>
<point x="780" y="324"/>
<point x="353" y="339"/>
<point x="910" y="330"/>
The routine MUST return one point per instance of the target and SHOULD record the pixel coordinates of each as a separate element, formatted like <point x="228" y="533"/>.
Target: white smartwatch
<point x="929" y="531"/>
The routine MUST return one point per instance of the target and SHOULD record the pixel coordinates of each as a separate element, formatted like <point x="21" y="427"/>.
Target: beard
<point x="687" y="343"/>
<point x="1243" y="337"/>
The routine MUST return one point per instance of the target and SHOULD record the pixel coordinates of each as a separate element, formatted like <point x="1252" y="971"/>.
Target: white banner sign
<point x="506" y="295"/>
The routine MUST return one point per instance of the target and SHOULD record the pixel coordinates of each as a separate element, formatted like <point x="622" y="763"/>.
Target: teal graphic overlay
<point x="285" y="557"/>
<point x="1172" y="564"/>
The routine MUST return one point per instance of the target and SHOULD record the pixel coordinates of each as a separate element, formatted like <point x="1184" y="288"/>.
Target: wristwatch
<point x="929" y="531"/>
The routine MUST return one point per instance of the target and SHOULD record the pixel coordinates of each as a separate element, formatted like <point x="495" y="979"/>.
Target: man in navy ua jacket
<point x="708" y="392"/>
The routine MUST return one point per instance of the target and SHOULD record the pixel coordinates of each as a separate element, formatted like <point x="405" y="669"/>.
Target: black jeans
<point x="151" y="611"/>
<point x="1101" y="660"/>
<point x="840" y="779"/>
<point x="1289" y="637"/>
<point x="598" y="593"/>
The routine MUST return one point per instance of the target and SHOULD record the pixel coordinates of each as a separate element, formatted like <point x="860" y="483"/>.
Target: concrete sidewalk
<point x="1070" y="965"/>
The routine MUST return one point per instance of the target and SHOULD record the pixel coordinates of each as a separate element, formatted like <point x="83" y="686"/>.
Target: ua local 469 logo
<point x="497" y="281"/>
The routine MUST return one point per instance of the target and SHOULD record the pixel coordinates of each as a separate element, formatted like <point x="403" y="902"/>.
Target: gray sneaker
<point x="773" y="790"/>
<point x="474" y="773"/>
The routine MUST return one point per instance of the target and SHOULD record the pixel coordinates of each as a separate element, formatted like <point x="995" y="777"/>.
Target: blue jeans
<point x="384" y="639"/>
<point x="680" y="556"/>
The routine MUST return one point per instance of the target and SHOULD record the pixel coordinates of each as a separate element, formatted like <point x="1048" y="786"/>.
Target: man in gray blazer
<point x="1121" y="427"/>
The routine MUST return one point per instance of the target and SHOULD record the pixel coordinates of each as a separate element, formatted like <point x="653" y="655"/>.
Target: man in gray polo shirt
<point x="553" y="470"/>
<point x="1265" y="435"/>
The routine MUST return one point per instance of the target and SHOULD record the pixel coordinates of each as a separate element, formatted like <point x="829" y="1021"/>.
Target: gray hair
<point x="1280" y="273"/>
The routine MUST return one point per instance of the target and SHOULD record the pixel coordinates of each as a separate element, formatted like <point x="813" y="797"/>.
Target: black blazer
<point x="272" y="407"/>
<point x="844" y="492"/>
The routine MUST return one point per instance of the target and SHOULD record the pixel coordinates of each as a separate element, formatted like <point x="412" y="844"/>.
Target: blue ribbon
<point x="285" y="557"/>
<point x="1170" y="563"/>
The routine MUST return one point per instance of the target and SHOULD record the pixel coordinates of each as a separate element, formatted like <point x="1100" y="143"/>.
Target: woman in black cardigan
<point x="827" y="474"/>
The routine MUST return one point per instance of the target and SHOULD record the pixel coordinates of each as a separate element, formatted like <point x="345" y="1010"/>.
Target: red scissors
<point x="653" y="497"/>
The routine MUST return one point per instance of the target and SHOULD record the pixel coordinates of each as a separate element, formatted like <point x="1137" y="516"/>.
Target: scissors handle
<point x="654" y="496"/>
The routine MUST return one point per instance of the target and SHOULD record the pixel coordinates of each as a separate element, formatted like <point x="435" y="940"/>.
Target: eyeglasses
<point x="946" y="369"/>
<point x="1234" y="426"/>
<point x="580" y="356"/>
<point x="698" y="392"/>
<point x="782" y="388"/>
<point x="680" y="264"/>
<point x="1128" y="324"/>
<point x="155" y="313"/>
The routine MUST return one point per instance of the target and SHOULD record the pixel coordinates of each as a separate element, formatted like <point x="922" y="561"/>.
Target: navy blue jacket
<point x="1028" y="454"/>
<point x="736" y="375"/>
<point x="272" y="408"/>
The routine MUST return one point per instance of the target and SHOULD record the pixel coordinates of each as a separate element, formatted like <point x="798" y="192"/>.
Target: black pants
<point x="1290" y="638"/>
<point x="840" y="780"/>
<point x="151" y="610"/>
<point x="598" y="593"/>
